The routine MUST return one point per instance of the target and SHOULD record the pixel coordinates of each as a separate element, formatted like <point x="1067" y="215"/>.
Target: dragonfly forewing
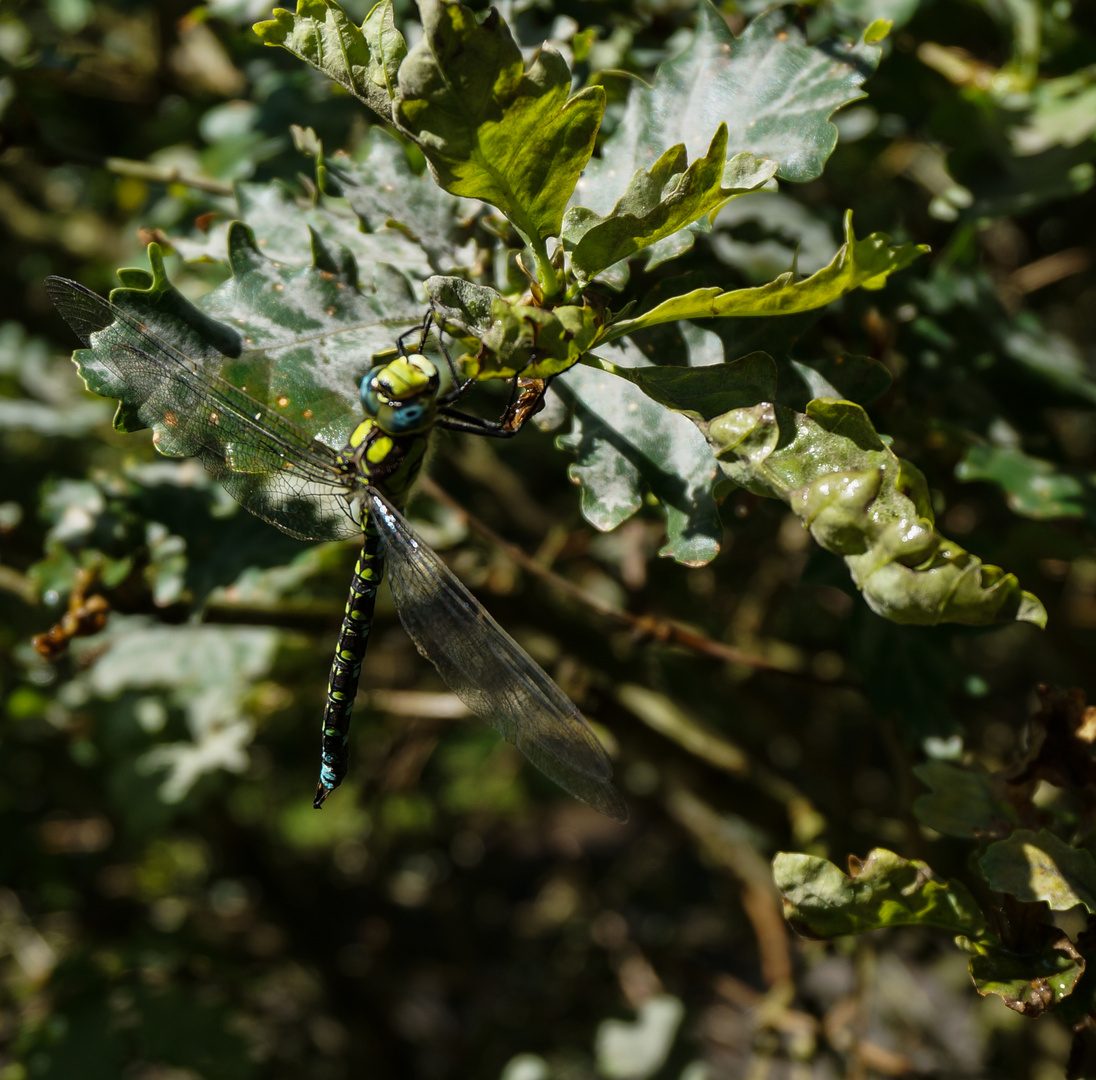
<point x="267" y="463"/>
<point x="279" y="472"/>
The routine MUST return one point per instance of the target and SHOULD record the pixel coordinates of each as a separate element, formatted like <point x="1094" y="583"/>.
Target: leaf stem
<point x="546" y="272"/>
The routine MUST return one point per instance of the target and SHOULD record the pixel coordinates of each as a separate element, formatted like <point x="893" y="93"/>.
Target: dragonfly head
<point x="402" y="395"/>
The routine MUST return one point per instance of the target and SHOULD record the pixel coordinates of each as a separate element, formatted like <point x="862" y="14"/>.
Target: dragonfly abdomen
<point x="342" y="686"/>
<point x="389" y="463"/>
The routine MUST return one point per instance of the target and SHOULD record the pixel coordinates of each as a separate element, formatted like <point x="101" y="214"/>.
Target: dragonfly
<point x="281" y="473"/>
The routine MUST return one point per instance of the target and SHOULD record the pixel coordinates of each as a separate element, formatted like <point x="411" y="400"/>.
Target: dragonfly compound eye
<point x="410" y="416"/>
<point x="401" y="396"/>
<point x="371" y="391"/>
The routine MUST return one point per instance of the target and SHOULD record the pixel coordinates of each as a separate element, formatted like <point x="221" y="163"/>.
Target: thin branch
<point x="664" y="716"/>
<point x="158" y="174"/>
<point x="1049" y="269"/>
<point x="14" y="582"/>
<point x="665" y="631"/>
<point x="727" y="845"/>
<point x="142" y="170"/>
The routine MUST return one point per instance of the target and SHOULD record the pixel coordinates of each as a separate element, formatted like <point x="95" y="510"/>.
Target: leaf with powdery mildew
<point x="298" y="338"/>
<point x="627" y="445"/>
<point x="773" y="90"/>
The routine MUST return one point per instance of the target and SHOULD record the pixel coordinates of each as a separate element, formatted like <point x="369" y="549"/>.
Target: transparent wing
<point x="267" y="463"/>
<point x="489" y="671"/>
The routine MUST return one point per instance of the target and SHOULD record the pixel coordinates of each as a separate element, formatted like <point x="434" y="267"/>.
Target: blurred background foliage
<point x="170" y="904"/>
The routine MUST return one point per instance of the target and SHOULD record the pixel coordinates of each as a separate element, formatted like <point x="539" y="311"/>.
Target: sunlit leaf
<point x="389" y="196"/>
<point x="862" y="502"/>
<point x="363" y="60"/>
<point x="862" y="263"/>
<point x="285" y="227"/>
<point x="491" y="130"/>
<point x="1039" y="866"/>
<point x="297" y="338"/>
<point x="882" y="890"/>
<point x="774" y="92"/>
<point x="659" y="202"/>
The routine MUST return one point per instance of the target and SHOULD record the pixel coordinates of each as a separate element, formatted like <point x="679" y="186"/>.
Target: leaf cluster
<point x="1029" y="863"/>
<point x="831" y="435"/>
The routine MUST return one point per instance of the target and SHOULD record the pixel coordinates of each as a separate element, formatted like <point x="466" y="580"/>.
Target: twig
<point x="157" y="174"/>
<point x="142" y="170"/>
<point x="652" y="627"/>
<point x="1049" y="269"/>
<point x="760" y="900"/>
<point x="418" y="704"/>
<point x="19" y="584"/>
<point x="661" y="714"/>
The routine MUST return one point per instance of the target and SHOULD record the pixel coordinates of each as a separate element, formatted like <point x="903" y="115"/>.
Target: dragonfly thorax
<point x="401" y="397"/>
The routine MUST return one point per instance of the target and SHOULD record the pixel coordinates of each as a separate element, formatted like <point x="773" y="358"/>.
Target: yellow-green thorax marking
<point x="400" y="401"/>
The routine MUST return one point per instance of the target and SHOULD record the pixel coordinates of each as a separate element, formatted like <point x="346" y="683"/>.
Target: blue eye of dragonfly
<point x="279" y="472"/>
<point x="402" y="395"/>
<point x="370" y="397"/>
<point x="407" y="418"/>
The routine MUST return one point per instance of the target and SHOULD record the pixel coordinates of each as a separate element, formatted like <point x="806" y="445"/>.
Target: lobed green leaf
<point x="962" y="802"/>
<point x="1034" y="488"/>
<point x="389" y="196"/>
<point x="297" y="338"/>
<point x="363" y="61"/>
<point x="862" y="502"/>
<point x="1041" y="867"/>
<point x="627" y="445"/>
<point x="773" y="90"/>
<point x="882" y="890"/>
<point x="865" y="263"/>
<point x="1029" y="982"/>
<point x="659" y="202"/>
<point x="206" y="672"/>
<point x="284" y="225"/>
<point x="491" y="130"/>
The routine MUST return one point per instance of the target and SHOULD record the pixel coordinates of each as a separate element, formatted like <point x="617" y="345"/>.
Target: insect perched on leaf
<point x="279" y="472"/>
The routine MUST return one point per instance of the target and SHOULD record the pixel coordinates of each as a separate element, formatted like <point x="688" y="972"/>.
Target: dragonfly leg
<point x="346" y="667"/>
<point x="526" y="400"/>
<point x="526" y="394"/>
